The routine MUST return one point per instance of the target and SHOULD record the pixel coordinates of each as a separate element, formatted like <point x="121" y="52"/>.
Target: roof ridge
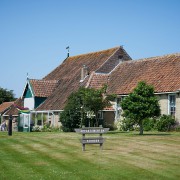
<point x="155" y="57"/>
<point x="94" y="52"/>
<point x="44" y="80"/>
<point x="152" y="58"/>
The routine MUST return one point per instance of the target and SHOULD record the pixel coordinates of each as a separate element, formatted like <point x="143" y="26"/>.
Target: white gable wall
<point x="29" y="102"/>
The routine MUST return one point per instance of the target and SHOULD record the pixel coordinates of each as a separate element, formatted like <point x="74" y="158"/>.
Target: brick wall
<point x="113" y="61"/>
<point x="163" y="101"/>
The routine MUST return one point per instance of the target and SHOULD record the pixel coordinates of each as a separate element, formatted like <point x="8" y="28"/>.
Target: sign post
<point x="92" y="140"/>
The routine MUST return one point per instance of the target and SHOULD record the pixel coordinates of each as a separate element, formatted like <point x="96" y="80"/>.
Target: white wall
<point x="29" y="102"/>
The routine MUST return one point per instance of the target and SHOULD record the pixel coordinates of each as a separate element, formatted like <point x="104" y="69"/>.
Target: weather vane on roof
<point x="68" y="51"/>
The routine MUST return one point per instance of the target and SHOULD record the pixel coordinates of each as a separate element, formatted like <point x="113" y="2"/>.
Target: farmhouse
<point x="47" y="97"/>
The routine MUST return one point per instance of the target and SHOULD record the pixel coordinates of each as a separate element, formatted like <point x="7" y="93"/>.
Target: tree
<point x="6" y="96"/>
<point x="80" y="106"/>
<point x="141" y="104"/>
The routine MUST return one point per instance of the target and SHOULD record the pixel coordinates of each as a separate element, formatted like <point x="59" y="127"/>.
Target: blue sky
<point x="34" y="34"/>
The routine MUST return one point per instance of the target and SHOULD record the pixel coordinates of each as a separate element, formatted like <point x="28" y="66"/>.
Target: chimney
<point x="84" y="73"/>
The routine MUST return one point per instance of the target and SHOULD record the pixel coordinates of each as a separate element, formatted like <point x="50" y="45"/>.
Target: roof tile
<point x="4" y="106"/>
<point x="162" y="72"/>
<point x="43" y="88"/>
<point x="69" y="73"/>
<point x="13" y="110"/>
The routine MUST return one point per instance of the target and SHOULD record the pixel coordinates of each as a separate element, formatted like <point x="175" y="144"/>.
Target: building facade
<point x="46" y="98"/>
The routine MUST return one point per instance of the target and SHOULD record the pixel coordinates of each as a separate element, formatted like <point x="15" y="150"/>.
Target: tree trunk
<point x="141" y="127"/>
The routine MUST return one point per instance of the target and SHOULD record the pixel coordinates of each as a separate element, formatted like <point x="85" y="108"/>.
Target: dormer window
<point x="120" y="58"/>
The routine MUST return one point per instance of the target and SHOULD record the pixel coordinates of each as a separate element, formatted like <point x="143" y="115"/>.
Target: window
<point x="100" y="115"/>
<point x="118" y="107"/>
<point x="172" y="104"/>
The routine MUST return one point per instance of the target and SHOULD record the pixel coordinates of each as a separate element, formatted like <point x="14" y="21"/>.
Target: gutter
<point x="170" y="92"/>
<point x="46" y="111"/>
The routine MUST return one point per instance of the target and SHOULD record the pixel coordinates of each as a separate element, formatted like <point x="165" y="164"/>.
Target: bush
<point x="36" y="128"/>
<point x="165" y="122"/>
<point x="112" y="127"/>
<point x="125" y="125"/>
<point x="46" y="128"/>
<point x="177" y="129"/>
<point x="149" y="124"/>
<point x="118" y="125"/>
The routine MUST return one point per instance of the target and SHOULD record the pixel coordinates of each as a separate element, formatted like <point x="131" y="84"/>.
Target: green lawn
<point x="59" y="156"/>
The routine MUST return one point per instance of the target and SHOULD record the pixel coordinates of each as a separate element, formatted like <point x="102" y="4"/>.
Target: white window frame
<point x="169" y="106"/>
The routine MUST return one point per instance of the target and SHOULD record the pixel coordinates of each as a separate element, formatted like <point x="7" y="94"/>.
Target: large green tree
<point x="6" y="95"/>
<point x="81" y="106"/>
<point x="141" y="104"/>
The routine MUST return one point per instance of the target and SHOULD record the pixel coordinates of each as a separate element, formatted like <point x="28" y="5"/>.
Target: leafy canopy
<point x="6" y="96"/>
<point x="80" y="105"/>
<point x="141" y="104"/>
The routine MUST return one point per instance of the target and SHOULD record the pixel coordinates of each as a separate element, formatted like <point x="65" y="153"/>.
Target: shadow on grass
<point x="136" y="133"/>
<point x="118" y="132"/>
<point x="156" y="134"/>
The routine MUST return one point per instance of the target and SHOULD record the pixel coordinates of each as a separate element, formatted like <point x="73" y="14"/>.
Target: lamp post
<point x="10" y="126"/>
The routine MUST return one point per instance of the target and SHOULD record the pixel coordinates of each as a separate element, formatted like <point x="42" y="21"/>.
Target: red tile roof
<point x="162" y="72"/>
<point x="69" y="73"/>
<point x="5" y="106"/>
<point x="43" y="88"/>
<point x="97" y="81"/>
<point x="13" y="110"/>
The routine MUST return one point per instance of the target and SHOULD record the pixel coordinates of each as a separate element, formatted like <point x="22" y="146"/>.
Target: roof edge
<point x="93" y="52"/>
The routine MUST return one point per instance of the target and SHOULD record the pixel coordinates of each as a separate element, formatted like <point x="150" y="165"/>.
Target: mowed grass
<point x="59" y="156"/>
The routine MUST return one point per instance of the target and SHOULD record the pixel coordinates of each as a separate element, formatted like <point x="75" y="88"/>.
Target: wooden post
<point x="83" y="147"/>
<point x="10" y="126"/>
<point x="101" y="146"/>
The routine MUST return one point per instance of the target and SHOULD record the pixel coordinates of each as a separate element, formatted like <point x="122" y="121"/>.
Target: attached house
<point x="46" y="98"/>
<point x="6" y="109"/>
<point x="162" y="72"/>
<point x="37" y="91"/>
<point x="5" y="106"/>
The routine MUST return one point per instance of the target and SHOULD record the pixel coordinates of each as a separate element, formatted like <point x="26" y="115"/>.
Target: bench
<point x="92" y="140"/>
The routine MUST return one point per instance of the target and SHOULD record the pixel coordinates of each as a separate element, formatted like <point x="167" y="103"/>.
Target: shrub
<point x="112" y="127"/>
<point x="125" y="125"/>
<point x="46" y="128"/>
<point x="165" y="122"/>
<point x="177" y="129"/>
<point x="36" y="128"/>
<point x="136" y="127"/>
<point x="119" y="125"/>
<point x="149" y="124"/>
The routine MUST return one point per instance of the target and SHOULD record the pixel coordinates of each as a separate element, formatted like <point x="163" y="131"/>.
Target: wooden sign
<point x="92" y="140"/>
